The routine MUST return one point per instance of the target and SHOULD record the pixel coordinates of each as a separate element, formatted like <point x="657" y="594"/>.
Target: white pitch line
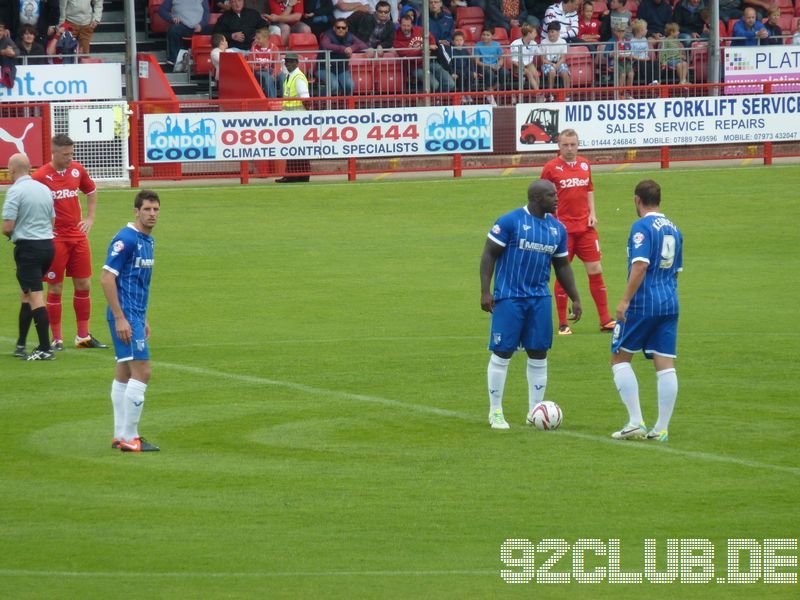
<point x="422" y="408"/>
<point x="256" y="575"/>
<point x="469" y="417"/>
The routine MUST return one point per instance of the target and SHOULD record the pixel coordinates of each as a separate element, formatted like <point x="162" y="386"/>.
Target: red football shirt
<point x="573" y="183"/>
<point x="64" y="185"/>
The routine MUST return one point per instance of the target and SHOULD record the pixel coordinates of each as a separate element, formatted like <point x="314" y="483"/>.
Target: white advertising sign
<point x="661" y="121"/>
<point x="318" y="134"/>
<point x="54" y="83"/>
<point x="91" y="124"/>
<point x="761" y="64"/>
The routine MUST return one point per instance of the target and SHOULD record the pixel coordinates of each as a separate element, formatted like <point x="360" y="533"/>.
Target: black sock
<point x="42" y="322"/>
<point x="25" y="319"/>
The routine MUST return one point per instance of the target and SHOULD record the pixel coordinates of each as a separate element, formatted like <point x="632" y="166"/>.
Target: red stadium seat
<point x="515" y="33"/>
<point x="795" y="26"/>
<point x="786" y="6"/>
<point x="698" y="61"/>
<point x="389" y="75"/>
<point x="157" y="24"/>
<point x="500" y="36"/>
<point x="201" y="54"/>
<point x="361" y="67"/>
<point x="469" y="15"/>
<point x="581" y="65"/>
<point x="632" y="6"/>
<point x="600" y="7"/>
<point x="472" y="33"/>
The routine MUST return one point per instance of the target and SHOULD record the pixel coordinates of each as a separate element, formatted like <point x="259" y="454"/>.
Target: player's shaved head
<point x="538" y="189"/>
<point x="19" y="163"/>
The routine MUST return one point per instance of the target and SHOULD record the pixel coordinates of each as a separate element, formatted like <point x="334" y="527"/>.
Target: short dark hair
<point x="554" y="26"/>
<point x="383" y="4"/>
<point x="216" y="40"/>
<point x="649" y="192"/>
<point x="143" y="195"/>
<point x="27" y="28"/>
<point x="62" y="140"/>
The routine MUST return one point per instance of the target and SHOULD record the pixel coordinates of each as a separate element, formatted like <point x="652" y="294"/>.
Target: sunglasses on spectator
<point x="339" y="27"/>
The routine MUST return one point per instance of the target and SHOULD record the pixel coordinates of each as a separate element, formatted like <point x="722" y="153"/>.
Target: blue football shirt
<point x="523" y="269"/>
<point x="656" y="240"/>
<point x="130" y="258"/>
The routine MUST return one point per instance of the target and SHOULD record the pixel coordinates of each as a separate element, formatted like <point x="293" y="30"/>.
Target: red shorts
<point x="73" y="256"/>
<point x="585" y="245"/>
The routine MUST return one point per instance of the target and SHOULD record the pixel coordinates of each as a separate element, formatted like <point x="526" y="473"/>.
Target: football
<point x="545" y="416"/>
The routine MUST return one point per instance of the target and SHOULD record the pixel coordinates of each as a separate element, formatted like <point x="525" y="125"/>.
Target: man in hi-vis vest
<point x="295" y="87"/>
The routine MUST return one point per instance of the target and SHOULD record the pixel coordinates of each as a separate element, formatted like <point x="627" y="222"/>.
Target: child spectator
<point x="266" y="61"/>
<point x="490" y="59"/>
<point x="640" y="53"/>
<point x="588" y="26"/>
<point x="526" y="49"/>
<point x="554" y="58"/>
<point x="617" y="13"/>
<point x="618" y="56"/>
<point x="464" y="67"/>
<point x="30" y="47"/>
<point x="219" y="44"/>
<point x="62" y="44"/>
<point x="671" y="57"/>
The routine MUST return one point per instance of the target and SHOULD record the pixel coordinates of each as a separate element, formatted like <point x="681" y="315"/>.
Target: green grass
<point x="318" y="391"/>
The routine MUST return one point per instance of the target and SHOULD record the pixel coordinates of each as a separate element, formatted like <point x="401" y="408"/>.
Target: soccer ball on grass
<point x="545" y="416"/>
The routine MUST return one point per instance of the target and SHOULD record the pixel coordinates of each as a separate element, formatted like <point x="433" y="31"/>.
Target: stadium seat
<point x="797" y="8"/>
<point x="785" y="23"/>
<point x="157" y="24"/>
<point x="500" y="36"/>
<point x="632" y="6"/>
<point x="201" y="54"/>
<point x="361" y="67"/>
<point x="389" y="75"/>
<point x="213" y="18"/>
<point x="469" y="15"/>
<point x="276" y="40"/>
<point x="787" y="7"/>
<point x="581" y="65"/>
<point x="89" y="60"/>
<point x="698" y="61"/>
<point x="600" y="7"/>
<point x="515" y="34"/>
<point x="300" y="42"/>
<point x="472" y="33"/>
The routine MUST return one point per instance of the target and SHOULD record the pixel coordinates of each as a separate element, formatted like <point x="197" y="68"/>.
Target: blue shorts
<point x="136" y="349"/>
<point x="654" y="335"/>
<point x="522" y="322"/>
<point x="547" y="68"/>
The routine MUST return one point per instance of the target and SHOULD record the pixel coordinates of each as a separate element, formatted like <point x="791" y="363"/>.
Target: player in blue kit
<point x="519" y="250"/>
<point x="126" y="284"/>
<point x="647" y="315"/>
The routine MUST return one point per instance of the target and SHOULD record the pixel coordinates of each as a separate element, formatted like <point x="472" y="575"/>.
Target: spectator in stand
<point x="554" y="50"/>
<point x="377" y="30"/>
<point x="285" y="17"/>
<point x="524" y="51"/>
<point x="464" y="68"/>
<point x="265" y="59"/>
<point x="640" y="53"/>
<point x="688" y="15"/>
<point x="505" y="14"/>
<point x="394" y="7"/>
<point x="408" y="9"/>
<point x="29" y="47"/>
<point x="796" y="39"/>
<point x="186" y="17"/>
<point x="774" y="30"/>
<point x="219" y="44"/>
<point x="239" y="25"/>
<point x="536" y="10"/>
<point x="440" y="23"/>
<point x="671" y="57"/>
<point x="83" y="16"/>
<point x="748" y="31"/>
<point x="62" y="43"/>
<point x="564" y="13"/>
<point x="318" y="15"/>
<point x="657" y="13"/>
<point x="352" y="10"/>
<point x="41" y="14"/>
<point x="618" y="56"/>
<point x="730" y="9"/>
<point x="762" y="7"/>
<point x="489" y="56"/>
<point x="408" y="42"/>
<point x="588" y="26"/>
<point x="617" y="13"/>
<point x="341" y="44"/>
<point x="8" y="49"/>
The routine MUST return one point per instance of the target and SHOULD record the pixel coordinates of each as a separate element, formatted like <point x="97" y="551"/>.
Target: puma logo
<point x="17" y="141"/>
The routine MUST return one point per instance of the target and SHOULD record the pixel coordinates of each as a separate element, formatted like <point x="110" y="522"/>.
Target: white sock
<point x="537" y="381"/>
<point x="628" y="388"/>
<point x="118" y="402"/>
<point x="134" y="403"/>
<point x="667" y="384"/>
<point x="496" y="374"/>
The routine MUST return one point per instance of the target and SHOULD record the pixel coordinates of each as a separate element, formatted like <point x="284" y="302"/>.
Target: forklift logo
<point x="541" y="127"/>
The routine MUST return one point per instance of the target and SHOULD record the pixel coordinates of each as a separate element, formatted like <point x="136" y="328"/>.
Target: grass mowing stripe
<point x="266" y="574"/>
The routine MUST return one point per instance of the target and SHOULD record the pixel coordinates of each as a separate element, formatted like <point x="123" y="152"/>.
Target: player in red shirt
<point x="572" y="177"/>
<point x="65" y="178"/>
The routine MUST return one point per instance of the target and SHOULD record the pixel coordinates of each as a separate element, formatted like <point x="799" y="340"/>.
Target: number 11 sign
<point x="91" y="124"/>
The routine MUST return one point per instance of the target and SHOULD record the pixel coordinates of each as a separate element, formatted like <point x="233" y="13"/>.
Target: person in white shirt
<point x="566" y="14"/>
<point x="526" y="49"/>
<point x="554" y="57"/>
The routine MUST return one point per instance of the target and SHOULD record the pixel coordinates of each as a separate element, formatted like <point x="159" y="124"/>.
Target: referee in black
<point x="28" y="216"/>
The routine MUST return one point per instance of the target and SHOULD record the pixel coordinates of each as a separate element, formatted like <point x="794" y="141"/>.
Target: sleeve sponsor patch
<point x="496" y="229"/>
<point x="638" y="238"/>
<point x="117" y="247"/>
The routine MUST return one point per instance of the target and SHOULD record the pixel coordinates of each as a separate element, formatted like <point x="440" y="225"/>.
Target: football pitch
<point x="319" y="395"/>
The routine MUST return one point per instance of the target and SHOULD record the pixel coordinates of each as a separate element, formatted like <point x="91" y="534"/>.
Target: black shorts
<point x="33" y="258"/>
